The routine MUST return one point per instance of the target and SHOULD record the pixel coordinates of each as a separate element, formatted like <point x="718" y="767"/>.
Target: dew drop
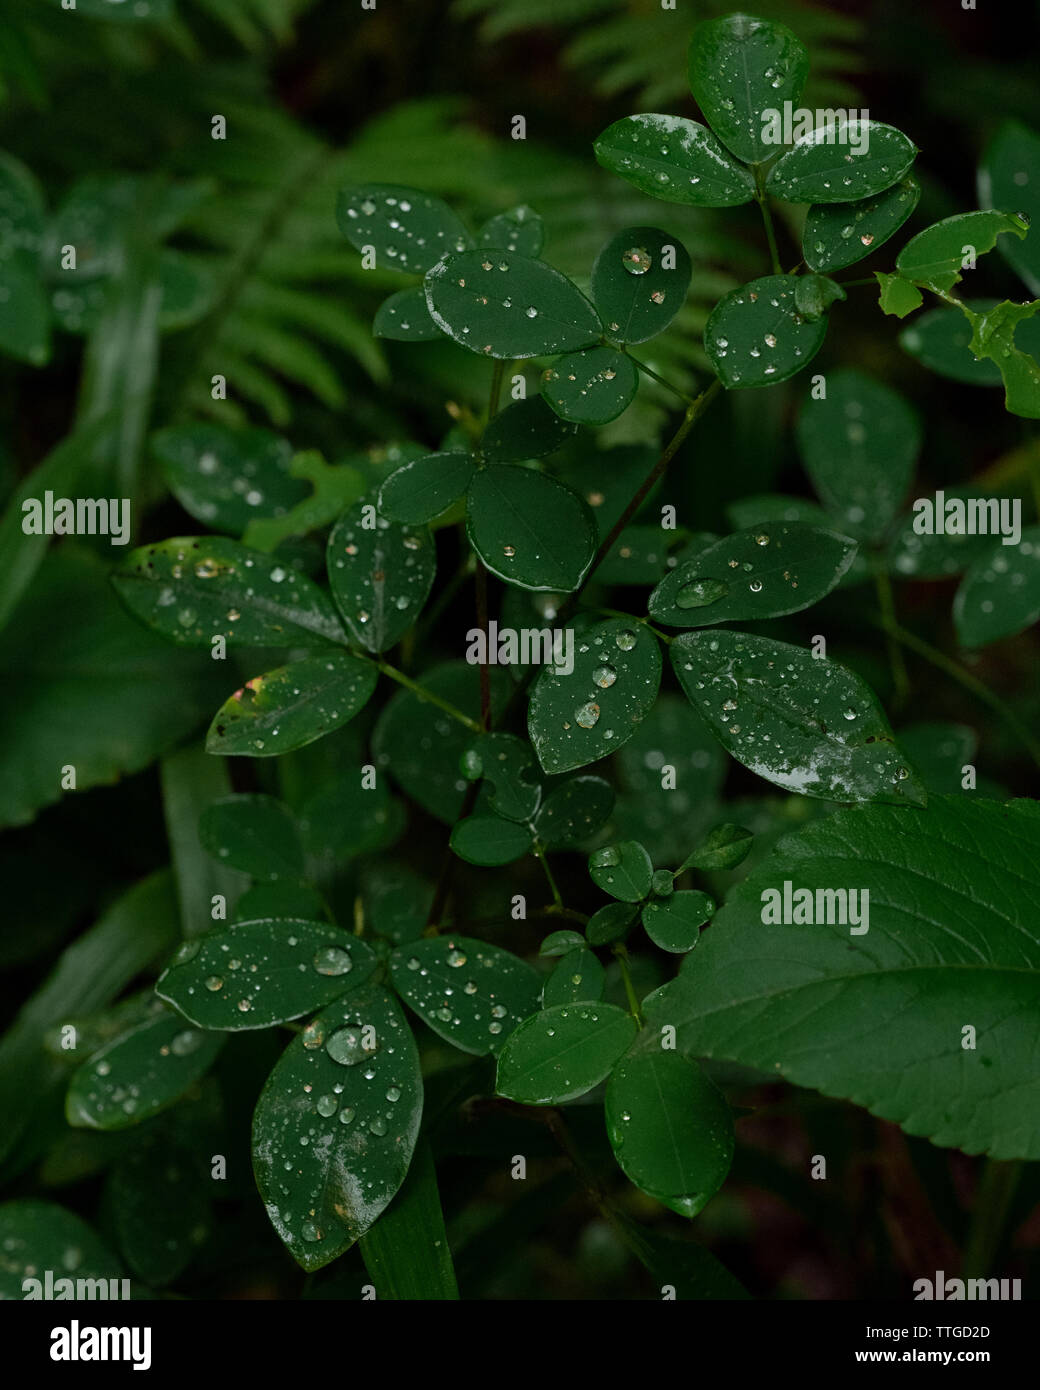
<point x="700" y="592"/>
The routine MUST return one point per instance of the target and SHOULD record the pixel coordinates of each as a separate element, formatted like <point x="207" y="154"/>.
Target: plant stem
<point x="621" y="954"/>
<point x="539" y="854"/>
<point x="964" y="678"/>
<point x="482" y="623"/>
<point x="497" y="373"/>
<point x="993" y="1199"/>
<point x="886" y="603"/>
<point x="762" y="199"/>
<point x="424" y="694"/>
<point x="683" y="396"/>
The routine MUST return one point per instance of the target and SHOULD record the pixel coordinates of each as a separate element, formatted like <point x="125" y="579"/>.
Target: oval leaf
<point x="623" y="870"/>
<point x="425" y="487"/>
<point x="674" y="923"/>
<point x="639" y="283"/>
<point x="674" y="159"/>
<point x="840" y="234"/>
<point x="410" y="230"/>
<point x="37" y="1236"/>
<point x="529" y="529"/>
<point x="255" y="834"/>
<point x="226" y="477"/>
<point x="563" y="1052"/>
<point x="490" y="840"/>
<point x="380" y="576"/>
<point x="842" y="163"/>
<point x="527" y="429"/>
<point x="519" y="229"/>
<point x="1000" y="594"/>
<point x="1009" y="177"/>
<point x="405" y="318"/>
<point x="573" y="811"/>
<point x="755" y="335"/>
<point x="591" y="387"/>
<point x="934" y="257"/>
<point x="578" y="978"/>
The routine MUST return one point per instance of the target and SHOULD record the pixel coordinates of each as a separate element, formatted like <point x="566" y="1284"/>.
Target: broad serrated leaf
<point x="639" y="283"/>
<point x="195" y="588"/>
<point x="527" y="429"/>
<point x="1009" y="177"/>
<point x="471" y="994"/>
<point x="405" y="318"/>
<point x="410" y="230"/>
<point x="573" y="810"/>
<point x="38" y="1236"/>
<point x="563" y="1052"/>
<point x="140" y="1073"/>
<point x="674" y="923"/>
<point x="292" y="706"/>
<point x="350" y="1086"/>
<point x="519" y="229"/>
<point x="952" y="941"/>
<point x="675" y="159"/>
<point x="755" y="335"/>
<point x="837" y="235"/>
<point x="670" y="1128"/>
<point x="591" y="387"/>
<point x="424" y="488"/>
<point x="255" y="834"/>
<point x="859" y="446"/>
<point x="225" y="478"/>
<point x="740" y="68"/>
<point x="1000" y="594"/>
<point x="578" y="978"/>
<point x="805" y="723"/>
<point x="490" y="840"/>
<point x="825" y="166"/>
<point x="624" y="870"/>
<point x="934" y="258"/>
<point x="503" y="304"/>
<point x="753" y="574"/>
<point x="380" y="575"/>
<point x="255" y="974"/>
<point x="530" y="529"/>
<point x="574" y="720"/>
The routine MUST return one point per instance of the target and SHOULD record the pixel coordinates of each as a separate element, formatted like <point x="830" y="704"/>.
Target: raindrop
<point x="625" y="640"/>
<point x="755" y="586"/>
<point x="587" y="716"/>
<point x="332" y="960"/>
<point x="636" y="260"/>
<point x="345" y="1047"/>
<point x="214" y="983"/>
<point x="604" y="676"/>
<point x="185" y="1043"/>
<point x="327" y="1105"/>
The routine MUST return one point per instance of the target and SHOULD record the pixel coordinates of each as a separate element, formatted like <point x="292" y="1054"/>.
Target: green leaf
<point x="507" y="763"/>
<point x="190" y="780"/>
<point x="755" y="335"/>
<point x="527" y="429"/>
<point x="748" y="513"/>
<point x="561" y="943"/>
<point x="726" y="847"/>
<point x="610" y="923"/>
<point x="670" y="1128"/>
<point x="159" y="1207"/>
<point x="837" y="235"/>
<point x="940" y="752"/>
<point x="623" y="870"/>
<point x="753" y="574"/>
<point x="405" y="318"/>
<point x="396" y="901"/>
<point x="347" y="817"/>
<point x="639" y="283"/>
<point x="898" y="297"/>
<point x="827" y="735"/>
<point x="223" y="477"/>
<point x="672" y="158"/>
<point x="38" y="1236"/>
<point x="381" y="575"/>
<point x="334" y="487"/>
<point x="530" y="529"/>
<point x="682" y="1266"/>
<point x="591" y="387"/>
<point x="859" y="446"/>
<point x="578" y="978"/>
<point x="490" y="840"/>
<point x="1000" y="594"/>
<point x="674" y="923"/>
<point x="503" y="304"/>
<point x="25" y="329"/>
<point x="471" y="994"/>
<point x="350" y="1084"/>
<point x="740" y="68"/>
<point x="939" y="341"/>
<point x="943" y="551"/>
<point x="281" y="898"/>
<point x="192" y="589"/>
<point x="814" y="294"/>
<point x="825" y="167"/>
<point x="562" y="1052"/>
<point x="1009" y="177"/>
<point x="576" y="719"/>
<point x="573" y="810"/>
<point x="406" y="1252"/>
<point x="933" y="257"/>
<point x="410" y="230"/>
<point x="139" y="1073"/>
<point x="952" y="941"/>
<point x="424" y="488"/>
<point x="255" y="834"/>
<point x="519" y="229"/>
<point x="292" y="706"/>
<point x="279" y="969"/>
<point x="993" y="338"/>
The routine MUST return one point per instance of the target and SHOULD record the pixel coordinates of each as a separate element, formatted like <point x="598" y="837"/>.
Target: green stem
<point x="649" y="371"/>
<point x="621" y="955"/>
<point x="424" y="694"/>
<point x="630" y="617"/>
<point x="762" y="199"/>
<point x="886" y="603"/>
<point x="539" y="854"/>
<point x="996" y="1192"/>
<point x="964" y="678"/>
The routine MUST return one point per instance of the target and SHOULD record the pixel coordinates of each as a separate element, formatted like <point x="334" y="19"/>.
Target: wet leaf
<point x="624" y="870"/>
<point x="823" y="167"/>
<point x="424" y="488"/>
<point x="814" y="294"/>
<point x="192" y="589"/>
<point x="675" y="159"/>
<point x="336" y="1124"/>
<point x="576" y="719"/>
<point x="562" y="1052"/>
<point x="670" y="1128"/>
<point x="519" y="229"/>
<point x="591" y="387"/>
<point x="409" y="230"/>
<point x="25" y="322"/>
<point x="639" y="283"/>
<point x="333" y="487"/>
<point x="740" y="67"/>
<point x="292" y="706"/>
<point x="507" y="764"/>
<point x="674" y="923"/>
<point x="760" y="573"/>
<point x="939" y="341"/>
<point x="471" y="994"/>
<point x="1000" y="594"/>
<point x="503" y="304"/>
<point x="578" y="978"/>
<point x="561" y="943"/>
<point x="726" y="847"/>
<point x="406" y="1252"/>
<point x="993" y="339"/>
<point x="755" y="335"/>
<point x="610" y="923"/>
<point x="405" y="318"/>
<point x="529" y="529"/>
<point x="226" y="477"/>
<point x="253" y="833"/>
<point x="490" y="840"/>
<point x="934" y="257"/>
<point x="1009" y="177"/>
<point x="527" y="429"/>
<point x="805" y="723"/>
<point x="381" y="575"/>
<point x="837" y="235"/>
<point x="573" y="810"/>
<point x="277" y="969"/>
<point x="281" y="898"/>
<point x="38" y="1236"/>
